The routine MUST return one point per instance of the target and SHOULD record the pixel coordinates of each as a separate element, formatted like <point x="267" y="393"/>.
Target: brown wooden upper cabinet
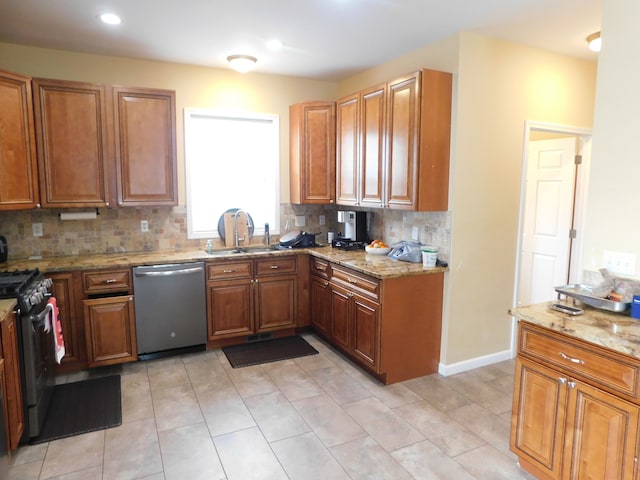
<point x="72" y="125"/>
<point x="145" y="140"/>
<point x="97" y="145"/>
<point x="312" y="153"/>
<point x="19" y="178"/>
<point x="392" y="144"/>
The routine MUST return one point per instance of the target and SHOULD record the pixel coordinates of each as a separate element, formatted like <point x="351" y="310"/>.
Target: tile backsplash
<point x="118" y="230"/>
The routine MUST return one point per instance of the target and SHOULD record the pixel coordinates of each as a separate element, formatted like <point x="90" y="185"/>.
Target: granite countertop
<point x="379" y="266"/>
<point x="616" y="331"/>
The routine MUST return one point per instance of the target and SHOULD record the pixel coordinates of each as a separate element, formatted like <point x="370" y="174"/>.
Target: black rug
<point x="82" y="407"/>
<point x="268" y="351"/>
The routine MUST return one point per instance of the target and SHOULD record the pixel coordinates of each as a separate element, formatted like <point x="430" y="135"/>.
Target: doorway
<point x="555" y="169"/>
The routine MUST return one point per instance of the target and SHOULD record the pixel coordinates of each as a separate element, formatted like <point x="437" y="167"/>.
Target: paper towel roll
<point x="78" y="215"/>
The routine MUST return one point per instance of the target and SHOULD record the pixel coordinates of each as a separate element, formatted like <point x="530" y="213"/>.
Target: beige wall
<point x="614" y="191"/>
<point x="196" y="87"/>
<point x="497" y="87"/>
<point x="500" y="86"/>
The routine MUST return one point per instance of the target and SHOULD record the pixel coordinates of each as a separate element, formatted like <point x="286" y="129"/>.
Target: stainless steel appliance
<point x="355" y="225"/>
<point x="170" y="307"/>
<point x="35" y="342"/>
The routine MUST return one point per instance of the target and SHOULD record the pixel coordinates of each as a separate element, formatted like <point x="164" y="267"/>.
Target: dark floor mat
<point x="268" y="351"/>
<point x="82" y="407"/>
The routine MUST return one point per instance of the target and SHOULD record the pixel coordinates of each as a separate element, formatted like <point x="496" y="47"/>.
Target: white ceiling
<point x="324" y="39"/>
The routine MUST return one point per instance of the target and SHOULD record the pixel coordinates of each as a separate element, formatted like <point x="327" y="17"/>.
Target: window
<point x="232" y="161"/>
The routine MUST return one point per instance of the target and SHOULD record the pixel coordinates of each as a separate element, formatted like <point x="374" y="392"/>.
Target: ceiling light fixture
<point x="110" y="18"/>
<point x="242" y="63"/>
<point x="595" y="42"/>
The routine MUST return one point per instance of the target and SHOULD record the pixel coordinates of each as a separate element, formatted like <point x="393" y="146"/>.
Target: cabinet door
<point x="13" y="399"/>
<point x="372" y="117"/>
<point x="145" y="126"/>
<point x="366" y="332"/>
<point x="347" y="131"/>
<point x="65" y="289"/>
<point x="275" y="302"/>
<point x="312" y="152"/>
<point x="229" y="307"/>
<point x="72" y="143"/>
<point x="19" y="179"/>
<point x="403" y="120"/>
<point x="601" y="435"/>
<point x="341" y="316"/>
<point x="320" y="305"/>
<point x="537" y="426"/>
<point x="110" y="330"/>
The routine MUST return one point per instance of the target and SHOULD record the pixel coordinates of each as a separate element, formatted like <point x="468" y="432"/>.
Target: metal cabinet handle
<point x="351" y="280"/>
<point x="274" y="267"/>
<point x="110" y="280"/>
<point x="227" y="271"/>
<point x="572" y="360"/>
<point x="562" y="380"/>
<point x="571" y="384"/>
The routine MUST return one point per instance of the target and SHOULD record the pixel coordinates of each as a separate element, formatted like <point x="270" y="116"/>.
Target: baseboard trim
<point x="466" y="365"/>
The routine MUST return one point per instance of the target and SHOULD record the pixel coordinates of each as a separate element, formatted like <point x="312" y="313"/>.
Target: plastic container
<point x="429" y="256"/>
<point x="635" y="306"/>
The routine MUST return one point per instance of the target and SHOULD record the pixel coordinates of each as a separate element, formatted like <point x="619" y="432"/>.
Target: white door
<point x="548" y="217"/>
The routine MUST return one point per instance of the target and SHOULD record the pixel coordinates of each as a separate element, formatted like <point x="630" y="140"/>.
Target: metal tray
<point x="584" y="294"/>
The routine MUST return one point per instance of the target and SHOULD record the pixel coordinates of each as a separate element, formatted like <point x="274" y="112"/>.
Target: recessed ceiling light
<point x="110" y="18"/>
<point x="274" y="44"/>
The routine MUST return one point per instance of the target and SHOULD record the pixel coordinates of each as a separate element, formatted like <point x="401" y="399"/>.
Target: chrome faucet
<point x="236" y="238"/>
<point x="267" y="236"/>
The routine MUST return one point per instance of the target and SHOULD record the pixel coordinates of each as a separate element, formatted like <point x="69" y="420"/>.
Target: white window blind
<point x="232" y="161"/>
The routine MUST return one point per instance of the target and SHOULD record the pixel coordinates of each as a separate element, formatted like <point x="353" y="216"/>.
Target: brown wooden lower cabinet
<point x="13" y="387"/>
<point x="390" y="326"/>
<point x="251" y="296"/>
<point x="110" y="330"/>
<point x="67" y="288"/>
<point x="563" y="427"/>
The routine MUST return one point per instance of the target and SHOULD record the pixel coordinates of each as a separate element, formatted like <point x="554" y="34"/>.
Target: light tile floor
<point x="316" y="417"/>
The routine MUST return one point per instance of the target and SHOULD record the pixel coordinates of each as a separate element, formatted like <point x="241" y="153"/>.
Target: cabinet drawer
<point x="276" y="265"/>
<point x="587" y="362"/>
<point x="366" y="285"/>
<point x="320" y="268"/>
<point x="107" y="281"/>
<point x="221" y="270"/>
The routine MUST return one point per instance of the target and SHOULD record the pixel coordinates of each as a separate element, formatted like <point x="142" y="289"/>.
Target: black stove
<point x="347" y="244"/>
<point x="29" y="287"/>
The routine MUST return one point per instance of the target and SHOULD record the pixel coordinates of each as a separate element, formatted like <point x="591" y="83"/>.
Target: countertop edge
<point x="380" y="267"/>
<point x="616" y="331"/>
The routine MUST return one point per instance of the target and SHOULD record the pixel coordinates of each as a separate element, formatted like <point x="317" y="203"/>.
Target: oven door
<point x="39" y="359"/>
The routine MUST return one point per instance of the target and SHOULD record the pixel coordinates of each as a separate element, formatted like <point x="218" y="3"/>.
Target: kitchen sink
<point x="249" y="249"/>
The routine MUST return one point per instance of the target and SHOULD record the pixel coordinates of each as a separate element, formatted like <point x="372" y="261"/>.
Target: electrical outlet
<point x="620" y="262"/>
<point x="415" y="233"/>
<point x="322" y="220"/>
<point x="37" y="229"/>
<point x="300" y="221"/>
<point x="144" y="226"/>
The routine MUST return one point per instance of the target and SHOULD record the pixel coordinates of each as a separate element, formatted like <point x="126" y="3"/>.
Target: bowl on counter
<point x="377" y="251"/>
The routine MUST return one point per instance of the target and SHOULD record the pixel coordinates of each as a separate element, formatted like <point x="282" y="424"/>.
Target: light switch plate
<point x="37" y="229"/>
<point x="144" y="226"/>
<point x="415" y="233"/>
<point x="300" y="221"/>
<point x="620" y="262"/>
<point x="322" y="220"/>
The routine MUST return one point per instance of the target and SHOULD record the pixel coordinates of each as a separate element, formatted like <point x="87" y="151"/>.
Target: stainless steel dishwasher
<point x="170" y="306"/>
